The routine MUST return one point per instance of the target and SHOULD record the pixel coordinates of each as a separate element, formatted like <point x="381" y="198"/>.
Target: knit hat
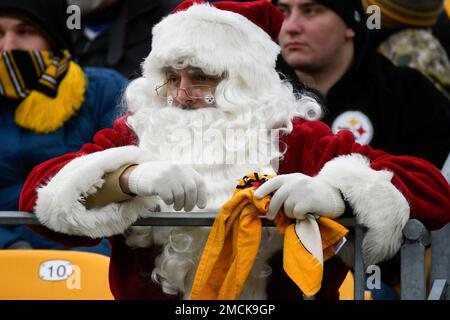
<point x="48" y="15"/>
<point x="407" y="13"/>
<point x="232" y="38"/>
<point x="348" y="10"/>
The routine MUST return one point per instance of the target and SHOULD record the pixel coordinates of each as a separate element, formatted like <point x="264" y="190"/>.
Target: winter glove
<point x="300" y="194"/>
<point x="175" y="184"/>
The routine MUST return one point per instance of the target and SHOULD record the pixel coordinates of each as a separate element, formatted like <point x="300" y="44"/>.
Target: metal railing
<point x="416" y="239"/>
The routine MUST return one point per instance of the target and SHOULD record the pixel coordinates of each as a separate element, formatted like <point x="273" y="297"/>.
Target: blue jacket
<point x="21" y="150"/>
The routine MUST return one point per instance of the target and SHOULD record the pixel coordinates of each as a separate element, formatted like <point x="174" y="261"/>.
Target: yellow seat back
<point x="346" y="290"/>
<point x="71" y="275"/>
<point x="53" y="275"/>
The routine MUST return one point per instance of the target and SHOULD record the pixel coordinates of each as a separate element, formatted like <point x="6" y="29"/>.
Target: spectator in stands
<point x="49" y="106"/>
<point x="116" y="33"/>
<point x="191" y="90"/>
<point x="324" y="44"/>
<point x="408" y="40"/>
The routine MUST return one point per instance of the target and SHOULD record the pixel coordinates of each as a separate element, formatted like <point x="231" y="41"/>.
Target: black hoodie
<point x="406" y="114"/>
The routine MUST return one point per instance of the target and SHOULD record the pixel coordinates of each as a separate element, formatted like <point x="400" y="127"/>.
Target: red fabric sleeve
<point x="119" y="135"/>
<point x="312" y="144"/>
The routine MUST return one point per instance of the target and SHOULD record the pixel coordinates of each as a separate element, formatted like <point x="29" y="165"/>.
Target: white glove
<point x="300" y="194"/>
<point x="175" y="184"/>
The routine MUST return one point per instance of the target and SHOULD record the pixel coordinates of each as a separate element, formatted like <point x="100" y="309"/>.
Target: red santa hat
<point x="232" y="38"/>
<point x="262" y="13"/>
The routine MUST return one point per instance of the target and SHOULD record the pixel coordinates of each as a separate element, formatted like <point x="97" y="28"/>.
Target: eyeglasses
<point x="194" y="92"/>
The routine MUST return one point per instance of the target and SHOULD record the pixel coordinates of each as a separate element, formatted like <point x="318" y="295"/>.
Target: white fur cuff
<point x="376" y="203"/>
<point x="60" y="207"/>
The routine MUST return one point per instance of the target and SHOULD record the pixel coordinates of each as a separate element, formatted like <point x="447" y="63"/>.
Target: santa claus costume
<point x="234" y="41"/>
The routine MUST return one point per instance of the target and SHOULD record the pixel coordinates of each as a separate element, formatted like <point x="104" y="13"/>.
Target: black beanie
<point x="49" y="15"/>
<point x="349" y="10"/>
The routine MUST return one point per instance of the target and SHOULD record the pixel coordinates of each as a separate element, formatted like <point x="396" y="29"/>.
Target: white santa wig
<point x="230" y="40"/>
<point x="222" y="41"/>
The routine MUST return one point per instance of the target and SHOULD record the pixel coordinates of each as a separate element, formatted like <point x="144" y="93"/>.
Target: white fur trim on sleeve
<point x="376" y="203"/>
<point x="60" y="207"/>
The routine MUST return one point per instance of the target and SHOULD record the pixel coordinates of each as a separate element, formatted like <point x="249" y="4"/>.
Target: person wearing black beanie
<point x="49" y="105"/>
<point x="390" y="108"/>
<point x="363" y="91"/>
<point x="48" y="16"/>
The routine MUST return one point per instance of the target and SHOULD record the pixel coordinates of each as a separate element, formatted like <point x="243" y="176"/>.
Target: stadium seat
<point x="346" y="291"/>
<point x="53" y="275"/>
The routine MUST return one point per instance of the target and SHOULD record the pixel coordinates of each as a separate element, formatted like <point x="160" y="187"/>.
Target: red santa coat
<point x="383" y="190"/>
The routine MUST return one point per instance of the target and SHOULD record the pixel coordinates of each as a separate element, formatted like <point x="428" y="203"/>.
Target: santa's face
<point x="223" y="142"/>
<point x="188" y="88"/>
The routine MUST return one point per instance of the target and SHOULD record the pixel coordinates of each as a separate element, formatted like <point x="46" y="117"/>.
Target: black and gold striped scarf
<point x="49" y="86"/>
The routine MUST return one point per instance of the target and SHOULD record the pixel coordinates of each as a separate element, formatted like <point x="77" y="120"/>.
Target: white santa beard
<point x="219" y="146"/>
<point x="171" y="134"/>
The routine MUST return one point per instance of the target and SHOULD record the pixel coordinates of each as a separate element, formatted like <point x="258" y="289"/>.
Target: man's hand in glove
<point x="175" y="184"/>
<point x="300" y="194"/>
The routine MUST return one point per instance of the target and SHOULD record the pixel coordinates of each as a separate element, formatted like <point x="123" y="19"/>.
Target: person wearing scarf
<point x="49" y="105"/>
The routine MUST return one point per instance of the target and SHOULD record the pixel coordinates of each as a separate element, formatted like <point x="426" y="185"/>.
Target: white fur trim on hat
<point x="217" y="41"/>
<point x="60" y="207"/>
<point x="376" y="203"/>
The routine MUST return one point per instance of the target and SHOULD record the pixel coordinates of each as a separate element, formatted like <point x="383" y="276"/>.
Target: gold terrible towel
<point x="233" y="245"/>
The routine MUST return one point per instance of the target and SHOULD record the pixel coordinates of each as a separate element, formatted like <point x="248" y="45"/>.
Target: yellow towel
<point x="300" y="264"/>
<point x="233" y="244"/>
